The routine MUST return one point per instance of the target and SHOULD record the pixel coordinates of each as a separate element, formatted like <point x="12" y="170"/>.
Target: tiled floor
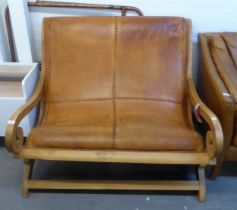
<point x="222" y="193"/>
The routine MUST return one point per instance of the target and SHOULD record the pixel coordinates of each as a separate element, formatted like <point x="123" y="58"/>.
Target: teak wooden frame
<point x="214" y="143"/>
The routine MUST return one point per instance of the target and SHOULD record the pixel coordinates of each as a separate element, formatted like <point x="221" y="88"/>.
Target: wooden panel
<point x="116" y="156"/>
<point x="113" y="185"/>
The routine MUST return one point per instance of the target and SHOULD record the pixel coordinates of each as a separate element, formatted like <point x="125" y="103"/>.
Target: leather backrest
<point x="87" y="58"/>
<point x="221" y="51"/>
<point x="231" y="42"/>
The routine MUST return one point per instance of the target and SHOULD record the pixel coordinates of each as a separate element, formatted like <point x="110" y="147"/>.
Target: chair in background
<point x="218" y="87"/>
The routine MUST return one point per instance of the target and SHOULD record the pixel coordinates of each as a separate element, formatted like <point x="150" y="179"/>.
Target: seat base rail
<point x="194" y="185"/>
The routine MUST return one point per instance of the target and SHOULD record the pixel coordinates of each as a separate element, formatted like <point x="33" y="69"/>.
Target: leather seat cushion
<point x="83" y="124"/>
<point x="133" y="125"/>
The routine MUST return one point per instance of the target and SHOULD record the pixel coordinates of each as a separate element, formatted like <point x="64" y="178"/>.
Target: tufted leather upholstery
<point x="115" y="83"/>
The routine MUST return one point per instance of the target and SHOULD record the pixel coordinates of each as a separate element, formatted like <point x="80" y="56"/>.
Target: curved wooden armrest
<point x="214" y="137"/>
<point x="14" y="137"/>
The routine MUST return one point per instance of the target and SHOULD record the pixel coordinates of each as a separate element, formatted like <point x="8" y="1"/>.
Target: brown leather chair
<point x="116" y="89"/>
<point x="218" y="87"/>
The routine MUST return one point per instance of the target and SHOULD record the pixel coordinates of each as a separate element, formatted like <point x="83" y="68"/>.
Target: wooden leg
<point x="15" y="156"/>
<point x="27" y="172"/>
<point x="216" y="169"/>
<point x="202" y="184"/>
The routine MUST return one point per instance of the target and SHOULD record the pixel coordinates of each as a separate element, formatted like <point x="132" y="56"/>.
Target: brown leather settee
<point x="218" y="87"/>
<point x="116" y="89"/>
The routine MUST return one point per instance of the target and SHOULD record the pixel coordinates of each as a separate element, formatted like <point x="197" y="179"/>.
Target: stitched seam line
<point x="184" y="61"/>
<point x="47" y="75"/>
<point x="187" y="59"/>
<point x="150" y="99"/>
<point x="118" y="98"/>
<point x="114" y="82"/>
<point x="183" y="58"/>
<point x="228" y="49"/>
<point x="227" y="82"/>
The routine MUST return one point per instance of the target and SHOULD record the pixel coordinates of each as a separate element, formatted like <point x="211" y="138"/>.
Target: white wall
<point x="4" y="50"/>
<point x="206" y="15"/>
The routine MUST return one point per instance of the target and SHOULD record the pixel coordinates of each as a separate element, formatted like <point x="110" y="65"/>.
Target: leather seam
<point x="117" y="98"/>
<point x="47" y="74"/>
<point x="188" y="73"/>
<point x="229" y="50"/>
<point x="226" y="81"/>
<point x="185" y="55"/>
<point x="184" y="58"/>
<point x="211" y="65"/>
<point x="114" y="82"/>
